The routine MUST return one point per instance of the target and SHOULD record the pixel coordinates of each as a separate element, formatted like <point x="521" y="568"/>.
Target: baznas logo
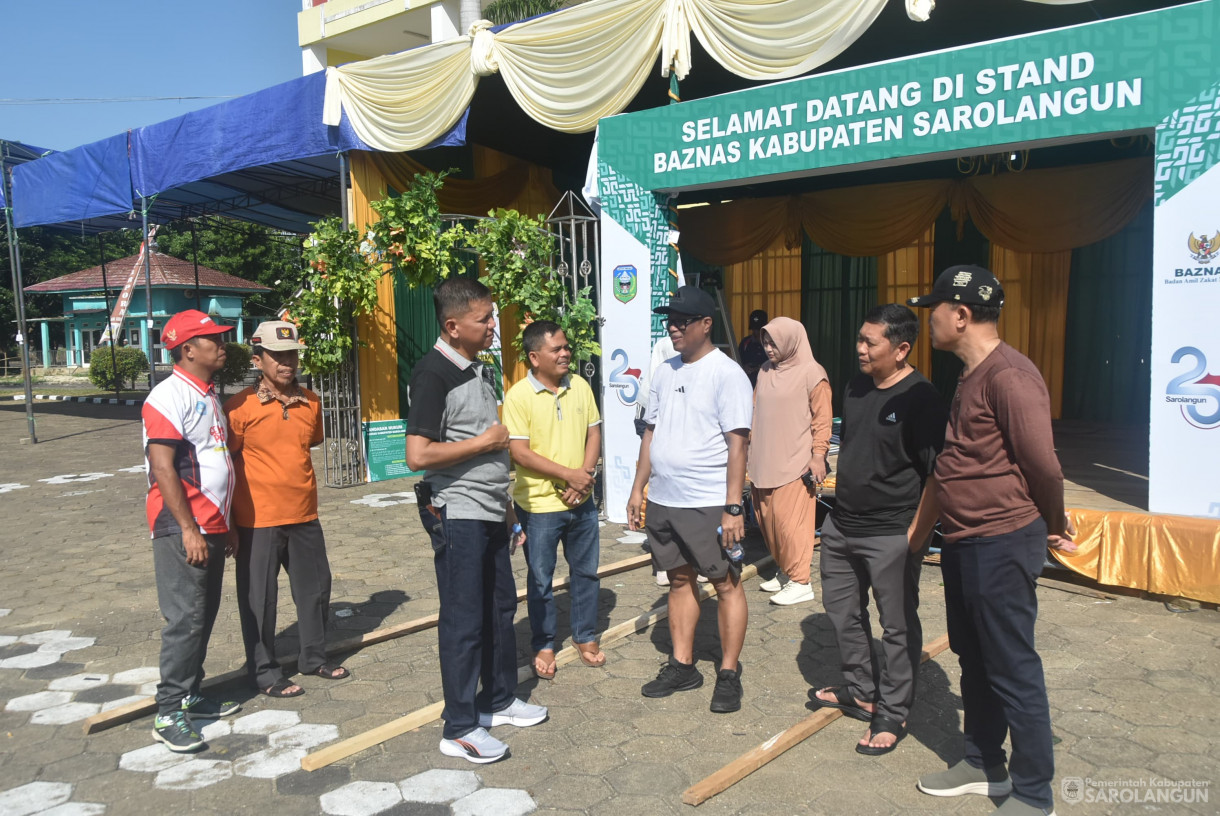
<point x="623" y="380"/>
<point x="625" y="286"/>
<point x="1196" y="392"/>
<point x="1203" y="249"/>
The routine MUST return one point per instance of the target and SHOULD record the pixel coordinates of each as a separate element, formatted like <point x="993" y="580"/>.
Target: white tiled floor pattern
<point x="56" y="705"/>
<point x="463" y="791"/>
<point x="288" y="740"/>
<point x="45" y="799"/>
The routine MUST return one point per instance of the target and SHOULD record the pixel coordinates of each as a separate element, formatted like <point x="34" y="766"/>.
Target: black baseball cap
<point x="689" y="300"/>
<point x="758" y="319"/>
<point x="967" y="284"/>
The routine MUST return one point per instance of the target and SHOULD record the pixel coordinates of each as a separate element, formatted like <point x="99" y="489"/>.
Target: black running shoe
<point x="175" y="730"/>
<point x="674" y="676"/>
<point x="727" y="696"/>
<point x="206" y="708"/>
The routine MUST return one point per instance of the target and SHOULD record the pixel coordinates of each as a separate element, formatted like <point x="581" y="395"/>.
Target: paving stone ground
<point x="1131" y="684"/>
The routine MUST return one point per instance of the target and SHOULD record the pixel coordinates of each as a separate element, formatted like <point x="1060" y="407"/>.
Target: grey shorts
<point x="686" y="536"/>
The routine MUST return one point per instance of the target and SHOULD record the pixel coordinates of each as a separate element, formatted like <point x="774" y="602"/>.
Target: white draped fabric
<point x="403" y="101"/>
<point x="571" y="68"/>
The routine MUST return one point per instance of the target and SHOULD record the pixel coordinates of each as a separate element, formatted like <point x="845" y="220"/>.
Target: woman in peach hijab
<point x="787" y="460"/>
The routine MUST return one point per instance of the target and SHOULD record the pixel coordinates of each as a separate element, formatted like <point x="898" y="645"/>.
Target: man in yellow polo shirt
<point x="554" y="432"/>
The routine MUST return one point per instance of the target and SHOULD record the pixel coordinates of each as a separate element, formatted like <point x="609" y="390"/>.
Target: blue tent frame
<point x="265" y="157"/>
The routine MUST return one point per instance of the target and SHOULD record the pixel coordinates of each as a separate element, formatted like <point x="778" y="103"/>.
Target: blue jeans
<point x="577" y="529"/>
<point x="991" y="608"/>
<point x="474" y="579"/>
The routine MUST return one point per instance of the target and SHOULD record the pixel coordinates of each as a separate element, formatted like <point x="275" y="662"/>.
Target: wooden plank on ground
<point x="409" y="722"/>
<point x="148" y="705"/>
<point x="759" y="756"/>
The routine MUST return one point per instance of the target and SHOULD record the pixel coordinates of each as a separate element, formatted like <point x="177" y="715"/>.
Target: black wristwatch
<point x="734" y="509"/>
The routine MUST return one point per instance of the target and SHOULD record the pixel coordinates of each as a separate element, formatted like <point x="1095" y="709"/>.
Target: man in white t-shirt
<point x="693" y="459"/>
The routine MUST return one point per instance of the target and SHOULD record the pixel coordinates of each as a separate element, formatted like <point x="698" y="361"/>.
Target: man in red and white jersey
<point x="190" y="486"/>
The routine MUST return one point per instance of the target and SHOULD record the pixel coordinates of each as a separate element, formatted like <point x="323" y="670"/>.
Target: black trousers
<point x="301" y="549"/>
<point x="991" y="608"/>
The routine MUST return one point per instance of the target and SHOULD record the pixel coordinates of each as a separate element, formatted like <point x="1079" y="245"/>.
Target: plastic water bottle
<point x="735" y="553"/>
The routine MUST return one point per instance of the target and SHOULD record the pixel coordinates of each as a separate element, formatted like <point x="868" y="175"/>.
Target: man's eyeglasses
<point x="680" y="323"/>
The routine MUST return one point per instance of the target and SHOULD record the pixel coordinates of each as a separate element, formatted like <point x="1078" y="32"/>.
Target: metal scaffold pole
<point x="23" y="337"/>
<point x="148" y="317"/>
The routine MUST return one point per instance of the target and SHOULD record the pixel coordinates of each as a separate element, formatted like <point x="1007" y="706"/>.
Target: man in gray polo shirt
<point x="455" y="437"/>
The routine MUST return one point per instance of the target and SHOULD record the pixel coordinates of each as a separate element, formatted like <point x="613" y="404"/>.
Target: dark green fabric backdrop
<point x="836" y="293"/>
<point x="1109" y="328"/>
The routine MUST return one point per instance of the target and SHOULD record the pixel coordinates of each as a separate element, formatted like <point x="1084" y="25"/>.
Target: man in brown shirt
<point x="1000" y="490"/>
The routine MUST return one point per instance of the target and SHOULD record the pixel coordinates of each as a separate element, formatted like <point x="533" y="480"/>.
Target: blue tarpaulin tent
<point x="264" y="157"/>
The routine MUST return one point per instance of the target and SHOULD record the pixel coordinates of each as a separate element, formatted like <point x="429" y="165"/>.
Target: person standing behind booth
<point x="271" y="428"/>
<point x="750" y="352"/>
<point x="788" y="446"/>
<point x="1000" y="490"/>
<point x="554" y="433"/>
<point x="455" y="437"/>
<point x="190" y="485"/>
<point x="885" y="507"/>
<point x="693" y="459"/>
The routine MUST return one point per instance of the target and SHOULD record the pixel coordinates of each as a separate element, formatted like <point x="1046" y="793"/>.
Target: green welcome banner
<point x="1105" y="77"/>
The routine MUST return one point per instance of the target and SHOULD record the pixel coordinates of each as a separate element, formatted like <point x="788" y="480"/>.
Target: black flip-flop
<point x="328" y="672"/>
<point x="280" y="690"/>
<point x="844" y="702"/>
<point x="882" y="724"/>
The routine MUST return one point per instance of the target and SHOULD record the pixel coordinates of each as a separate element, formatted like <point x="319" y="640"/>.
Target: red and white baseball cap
<point x="187" y="325"/>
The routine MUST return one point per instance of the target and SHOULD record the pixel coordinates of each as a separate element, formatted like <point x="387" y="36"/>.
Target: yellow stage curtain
<point x="858" y="221"/>
<point x="726" y="234"/>
<point x="512" y="184"/>
<point x="379" y="358"/>
<point x="1035" y="211"/>
<point x="875" y="219"/>
<point x="1168" y="555"/>
<point x="770" y="281"/>
<point x="907" y="273"/>
<point x="1034" y="318"/>
<point x="1056" y="209"/>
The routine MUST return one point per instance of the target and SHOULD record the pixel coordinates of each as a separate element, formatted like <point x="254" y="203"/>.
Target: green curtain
<point x="1107" y="370"/>
<point x="416" y="330"/>
<point x="836" y="292"/>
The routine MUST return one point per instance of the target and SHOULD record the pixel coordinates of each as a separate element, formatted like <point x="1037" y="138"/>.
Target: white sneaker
<point x="518" y="713"/>
<point x="475" y="746"/>
<point x="793" y="593"/>
<point x="775" y="584"/>
<point x="662" y="578"/>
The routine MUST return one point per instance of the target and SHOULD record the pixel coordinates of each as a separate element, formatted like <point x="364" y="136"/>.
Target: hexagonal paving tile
<point x="78" y="682"/>
<point x="151" y="759"/>
<point x="500" y="801"/>
<point x="270" y="763"/>
<point x="38" y="701"/>
<point x="194" y="774"/>
<point x="75" y="809"/>
<point x="264" y="722"/>
<point x="136" y="677"/>
<point x="46" y="636"/>
<point x="64" y="714"/>
<point x="439" y="786"/>
<point x="360" y="799"/>
<point x="34" y="797"/>
<point x="305" y="735"/>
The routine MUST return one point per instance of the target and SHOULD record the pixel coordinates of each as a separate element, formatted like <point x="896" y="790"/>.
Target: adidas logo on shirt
<point x="892" y="418"/>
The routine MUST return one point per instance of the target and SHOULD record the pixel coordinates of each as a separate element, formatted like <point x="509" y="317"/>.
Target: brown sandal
<point x="544" y="664"/>
<point x="591" y="655"/>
